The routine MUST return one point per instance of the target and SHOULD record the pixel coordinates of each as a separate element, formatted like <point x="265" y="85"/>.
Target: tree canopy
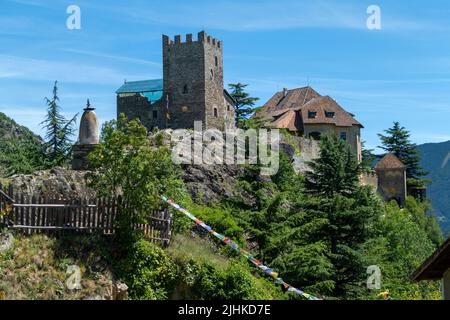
<point x="244" y="103"/>
<point x="397" y="141"/>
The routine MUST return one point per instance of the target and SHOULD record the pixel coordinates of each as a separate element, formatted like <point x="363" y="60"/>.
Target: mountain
<point x="436" y="160"/>
<point x="21" y="151"/>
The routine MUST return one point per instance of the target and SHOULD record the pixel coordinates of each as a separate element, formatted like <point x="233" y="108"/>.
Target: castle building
<point x="305" y="112"/>
<point x="391" y="174"/>
<point x="192" y="88"/>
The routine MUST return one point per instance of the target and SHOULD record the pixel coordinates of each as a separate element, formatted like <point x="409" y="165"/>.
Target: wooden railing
<point x="33" y="214"/>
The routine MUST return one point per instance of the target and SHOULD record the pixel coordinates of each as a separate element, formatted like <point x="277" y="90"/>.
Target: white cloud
<point x="113" y="57"/>
<point x="72" y="72"/>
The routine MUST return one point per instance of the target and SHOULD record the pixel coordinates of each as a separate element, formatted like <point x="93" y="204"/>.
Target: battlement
<point x="202" y="37"/>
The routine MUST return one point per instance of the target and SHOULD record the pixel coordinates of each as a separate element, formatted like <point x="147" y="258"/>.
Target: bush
<point x="148" y="272"/>
<point x="236" y="282"/>
<point x="221" y="220"/>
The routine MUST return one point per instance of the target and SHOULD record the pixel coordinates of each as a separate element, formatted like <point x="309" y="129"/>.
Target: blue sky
<point x="401" y="72"/>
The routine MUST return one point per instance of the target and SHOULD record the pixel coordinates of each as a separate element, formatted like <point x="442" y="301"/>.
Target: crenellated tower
<point x="193" y="81"/>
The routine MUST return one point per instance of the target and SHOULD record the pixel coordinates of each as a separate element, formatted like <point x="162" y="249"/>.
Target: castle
<point x="192" y="88"/>
<point x="305" y="112"/>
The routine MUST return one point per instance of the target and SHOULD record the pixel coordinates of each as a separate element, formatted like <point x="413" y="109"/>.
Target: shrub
<point x="148" y="272"/>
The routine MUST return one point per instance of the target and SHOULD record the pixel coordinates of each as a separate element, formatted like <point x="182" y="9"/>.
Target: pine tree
<point x="244" y="103"/>
<point x="397" y="141"/>
<point x="59" y="131"/>
<point x="346" y="209"/>
<point x="335" y="171"/>
<point x="368" y="157"/>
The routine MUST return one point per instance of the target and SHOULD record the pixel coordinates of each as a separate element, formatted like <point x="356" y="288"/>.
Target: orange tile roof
<point x="291" y="110"/>
<point x="390" y="161"/>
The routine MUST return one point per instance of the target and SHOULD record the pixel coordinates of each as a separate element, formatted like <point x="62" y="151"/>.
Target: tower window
<point x="185" y="89"/>
<point x="215" y="113"/>
<point x="211" y="74"/>
<point x="155" y="114"/>
<point x="228" y="107"/>
<point x="312" y="114"/>
<point x="217" y="61"/>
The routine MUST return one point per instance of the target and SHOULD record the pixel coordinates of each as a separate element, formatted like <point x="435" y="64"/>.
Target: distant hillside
<point x="20" y="149"/>
<point x="436" y="159"/>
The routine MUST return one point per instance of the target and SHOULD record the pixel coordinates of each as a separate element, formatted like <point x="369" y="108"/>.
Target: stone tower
<point x="391" y="174"/>
<point x="193" y="81"/>
<point x="87" y="140"/>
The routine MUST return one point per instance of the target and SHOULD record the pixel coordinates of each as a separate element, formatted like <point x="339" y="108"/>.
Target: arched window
<point x="216" y="113"/>
<point x="185" y="89"/>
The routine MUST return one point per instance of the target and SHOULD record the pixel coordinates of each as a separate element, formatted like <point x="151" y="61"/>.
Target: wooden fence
<point x="36" y="214"/>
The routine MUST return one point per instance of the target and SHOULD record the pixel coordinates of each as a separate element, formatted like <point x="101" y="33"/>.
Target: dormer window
<point x="329" y="114"/>
<point x="185" y="89"/>
<point x="312" y="114"/>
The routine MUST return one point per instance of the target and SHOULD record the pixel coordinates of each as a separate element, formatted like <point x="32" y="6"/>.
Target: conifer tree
<point x="346" y="209"/>
<point x="244" y="103"/>
<point x="397" y="141"/>
<point x="59" y="131"/>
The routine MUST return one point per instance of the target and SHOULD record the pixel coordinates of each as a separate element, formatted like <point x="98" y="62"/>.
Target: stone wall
<point x="392" y="185"/>
<point x="138" y="107"/>
<point x="353" y="135"/>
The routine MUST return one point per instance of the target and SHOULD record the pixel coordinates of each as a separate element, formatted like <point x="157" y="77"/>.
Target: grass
<point x="35" y="269"/>
<point x="186" y="247"/>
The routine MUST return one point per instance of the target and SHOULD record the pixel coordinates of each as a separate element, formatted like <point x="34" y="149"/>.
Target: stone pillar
<point x="87" y="140"/>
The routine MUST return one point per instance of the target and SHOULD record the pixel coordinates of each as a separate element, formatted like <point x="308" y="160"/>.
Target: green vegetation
<point x="35" y="268"/>
<point x="127" y="164"/>
<point x="244" y="103"/>
<point x="59" y="131"/>
<point x="436" y="160"/>
<point x="21" y="151"/>
<point x="321" y="231"/>
<point x="397" y="141"/>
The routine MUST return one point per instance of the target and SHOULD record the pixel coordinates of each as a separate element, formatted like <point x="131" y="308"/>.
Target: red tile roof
<point x="290" y="109"/>
<point x="390" y="161"/>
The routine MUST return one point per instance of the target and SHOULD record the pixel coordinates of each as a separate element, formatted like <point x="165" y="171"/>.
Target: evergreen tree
<point x="368" y="157"/>
<point x="346" y="209"/>
<point x="244" y="103"/>
<point x="335" y="171"/>
<point x="397" y="141"/>
<point x="59" y="131"/>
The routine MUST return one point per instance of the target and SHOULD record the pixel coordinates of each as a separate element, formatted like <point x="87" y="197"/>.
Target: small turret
<point x="87" y="140"/>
